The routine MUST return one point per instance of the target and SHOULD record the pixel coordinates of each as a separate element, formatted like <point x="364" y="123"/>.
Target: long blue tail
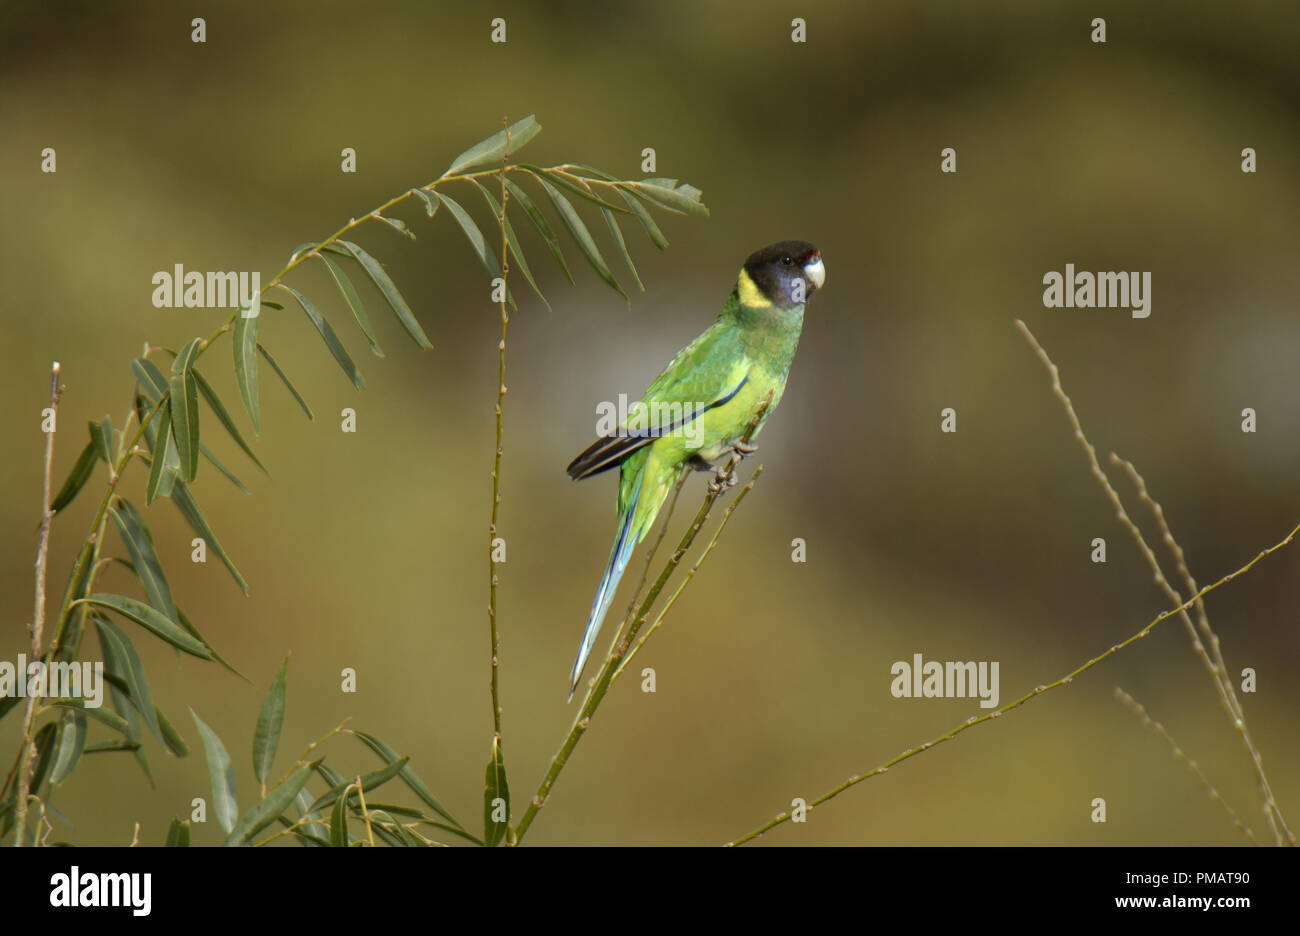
<point x="614" y="568"/>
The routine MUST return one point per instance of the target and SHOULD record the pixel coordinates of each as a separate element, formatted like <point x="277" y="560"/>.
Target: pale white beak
<point x="816" y="272"/>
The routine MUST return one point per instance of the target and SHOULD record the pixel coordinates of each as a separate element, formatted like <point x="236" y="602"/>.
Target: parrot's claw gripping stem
<point x="723" y="478"/>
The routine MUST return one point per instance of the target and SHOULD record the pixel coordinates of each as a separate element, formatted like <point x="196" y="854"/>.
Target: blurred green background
<point x="367" y="550"/>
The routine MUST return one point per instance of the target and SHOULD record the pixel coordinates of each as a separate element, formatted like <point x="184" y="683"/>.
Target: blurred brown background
<point x="367" y="550"/>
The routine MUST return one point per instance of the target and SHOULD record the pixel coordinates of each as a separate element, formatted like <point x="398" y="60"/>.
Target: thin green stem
<point x="1039" y="690"/>
<point x="493" y="580"/>
<point x="649" y="559"/>
<point x="612" y="661"/>
<point x="1136" y="707"/>
<point x="1215" y="667"/>
<point x="690" y="574"/>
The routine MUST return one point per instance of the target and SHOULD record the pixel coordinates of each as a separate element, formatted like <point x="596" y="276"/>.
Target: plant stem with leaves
<point x="165" y="412"/>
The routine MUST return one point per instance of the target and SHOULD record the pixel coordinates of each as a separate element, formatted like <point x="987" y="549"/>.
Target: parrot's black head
<point x="784" y="274"/>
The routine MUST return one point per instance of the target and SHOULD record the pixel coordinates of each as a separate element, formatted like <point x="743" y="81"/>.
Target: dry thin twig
<point x="1064" y="680"/>
<point x="1039" y="690"/>
<point x="1215" y="667"/>
<point x="1236" y="712"/>
<point x="1136" y="707"/>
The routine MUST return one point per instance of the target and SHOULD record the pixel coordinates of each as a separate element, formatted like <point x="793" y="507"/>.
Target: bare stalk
<point x="38" y="614"/>
<point x="1214" y="666"/>
<point x="1136" y="707"/>
<point x="493" y="581"/>
<point x="1038" y="690"/>
<point x="649" y="560"/>
<point x="690" y="574"/>
<point x="610" y="666"/>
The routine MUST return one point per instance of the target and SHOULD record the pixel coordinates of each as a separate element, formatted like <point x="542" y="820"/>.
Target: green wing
<point x="704" y="373"/>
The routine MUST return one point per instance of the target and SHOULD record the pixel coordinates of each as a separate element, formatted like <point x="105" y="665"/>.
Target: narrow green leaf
<point x="370" y="781"/>
<point x="217" y="464"/>
<point x="72" y="741"/>
<point x="101" y="433"/>
<point x="8" y="704"/>
<point x="430" y="203"/>
<point x="384" y="283"/>
<point x="617" y="233"/>
<point x="126" y="708"/>
<point x="152" y="383"/>
<point x="194" y="632"/>
<point x="222" y="774"/>
<point x="669" y="194"/>
<point x="148" y="618"/>
<point x="44" y="742"/>
<point x="591" y="171"/>
<point x="494" y="148"/>
<point x="284" y="378"/>
<point x="409" y="812"/>
<point x="106" y="747"/>
<point x="81" y="471"/>
<point x="354" y="302"/>
<point x="572" y="184"/>
<point x="185" y="423"/>
<point x="407" y="775"/>
<point x="482" y="249"/>
<point x="245" y="346"/>
<point x="314" y="831"/>
<point x="339" y="837"/>
<point x="178" y="834"/>
<point x="223" y="416"/>
<point x="391" y="831"/>
<point x="327" y="335"/>
<point x="495" y="788"/>
<point x="144" y="557"/>
<point x="120" y="659"/>
<point x="581" y="236"/>
<point x="396" y="224"/>
<point x="647" y="220"/>
<point x="306" y="838"/>
<point x="184" y="361"/>
<point x="276" y="802"/>
<point x="189" y="508"/>
<point x="99" y="714"/>
<point x="162" y="474"/>
<point x="331" y="776"/>
<point x="170" y="736"/>
<point x="266" y="739"/>
<point x="539" y="222"/>
<point x="515" y="250"/>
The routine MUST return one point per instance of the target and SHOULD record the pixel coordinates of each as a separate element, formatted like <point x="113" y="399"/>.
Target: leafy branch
<point x="162" y="430"/>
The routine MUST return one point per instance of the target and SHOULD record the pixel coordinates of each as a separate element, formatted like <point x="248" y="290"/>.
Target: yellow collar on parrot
<point x="750" y="294"/>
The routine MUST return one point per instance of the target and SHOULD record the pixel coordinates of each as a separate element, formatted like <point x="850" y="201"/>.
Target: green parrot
<point x="698" y="409"/>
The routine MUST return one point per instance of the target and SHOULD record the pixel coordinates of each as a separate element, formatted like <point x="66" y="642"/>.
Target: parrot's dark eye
<point x="786" y="261"/>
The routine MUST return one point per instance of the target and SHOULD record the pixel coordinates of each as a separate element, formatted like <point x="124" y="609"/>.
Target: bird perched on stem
<point x="697" y="411"/>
